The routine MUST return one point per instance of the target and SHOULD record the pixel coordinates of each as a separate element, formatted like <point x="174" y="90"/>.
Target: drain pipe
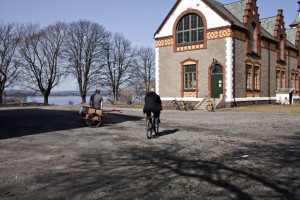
<point x="233" y="71"/>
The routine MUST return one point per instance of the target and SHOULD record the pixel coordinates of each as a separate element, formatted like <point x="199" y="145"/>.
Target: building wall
<point x="239" y="72"/>
<point x="273" y="73"/>
<point x="264" y="73"/>
<point x="170" y="67"/>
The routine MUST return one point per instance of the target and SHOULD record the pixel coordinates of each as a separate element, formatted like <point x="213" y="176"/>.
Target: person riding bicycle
<point x="152" y="104"/>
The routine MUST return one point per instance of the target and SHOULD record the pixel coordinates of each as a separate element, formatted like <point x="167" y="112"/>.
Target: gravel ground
<point x="47" y="154"/>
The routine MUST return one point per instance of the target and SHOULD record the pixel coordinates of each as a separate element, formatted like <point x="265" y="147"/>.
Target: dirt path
<point x="47" y="154"/>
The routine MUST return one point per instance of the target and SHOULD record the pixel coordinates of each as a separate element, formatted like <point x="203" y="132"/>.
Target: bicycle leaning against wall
<point x="183" y="105"/>
<point x="211" y="106"/>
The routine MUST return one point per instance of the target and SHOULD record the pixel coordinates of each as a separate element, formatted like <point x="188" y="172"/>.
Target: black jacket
<point x="152" y="102"/>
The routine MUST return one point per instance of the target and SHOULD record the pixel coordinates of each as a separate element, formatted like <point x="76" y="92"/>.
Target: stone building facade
<point x="205" y="49"/>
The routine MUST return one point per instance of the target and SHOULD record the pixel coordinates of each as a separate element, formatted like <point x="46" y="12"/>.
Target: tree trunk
<point x="1" y="97"/>
<point x="46" y="98"/>
<point x="83" y="98"/>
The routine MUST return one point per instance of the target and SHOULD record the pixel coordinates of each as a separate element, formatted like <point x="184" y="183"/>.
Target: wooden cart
<point x="91" y="117"/>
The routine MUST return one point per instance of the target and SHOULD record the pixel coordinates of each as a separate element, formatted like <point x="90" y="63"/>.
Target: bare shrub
<point x="127" y="95"/>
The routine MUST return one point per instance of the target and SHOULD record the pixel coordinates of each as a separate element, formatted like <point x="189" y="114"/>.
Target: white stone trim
<point x="229" y="69"/>
<point x="251" y="99"/>
<point x="181" y="99"/>
<point x="157" y="70"/>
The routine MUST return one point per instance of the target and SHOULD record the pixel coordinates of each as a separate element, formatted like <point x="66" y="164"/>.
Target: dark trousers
<point x="156" y="115"/>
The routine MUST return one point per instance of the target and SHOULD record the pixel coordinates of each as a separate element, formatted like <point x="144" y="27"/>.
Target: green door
<point x="216" y="81"/>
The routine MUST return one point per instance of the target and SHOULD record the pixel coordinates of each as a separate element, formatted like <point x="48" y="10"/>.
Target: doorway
<point x="216" y="81"/>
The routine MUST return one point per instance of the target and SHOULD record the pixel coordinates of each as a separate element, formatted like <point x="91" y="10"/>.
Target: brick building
<point x="205" y="49"/>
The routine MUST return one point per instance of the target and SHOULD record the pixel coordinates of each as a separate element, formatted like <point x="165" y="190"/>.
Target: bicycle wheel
<point x="209" y="108"/>
<point x="93" y="120"/>
<point x="149" y="129"/>
<point x="156" y="126"/>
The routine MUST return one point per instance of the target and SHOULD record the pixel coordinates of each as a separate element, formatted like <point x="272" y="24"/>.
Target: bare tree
<point x="42" y="52"/>
<point x="118" y="62"/>
<point x="144" y="70"/>
<point x="84" y="46"/>
<point x="10" y="37"/>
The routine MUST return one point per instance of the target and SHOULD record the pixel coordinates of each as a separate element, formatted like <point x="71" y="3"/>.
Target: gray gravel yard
<point x="46" y="153"/>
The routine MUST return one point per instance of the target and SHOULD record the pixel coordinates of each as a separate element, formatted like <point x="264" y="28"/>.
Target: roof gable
<point x="207" y="7"/>
<point x="237" y="9"/>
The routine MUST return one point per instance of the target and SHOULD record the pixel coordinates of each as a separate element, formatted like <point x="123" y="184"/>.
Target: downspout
<point x="288" y="65"/>
<point x="233" y="73"/>
<point x="269" y="71"/>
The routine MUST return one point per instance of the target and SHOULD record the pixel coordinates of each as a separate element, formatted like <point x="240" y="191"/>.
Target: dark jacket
<point x="152" y="102"/>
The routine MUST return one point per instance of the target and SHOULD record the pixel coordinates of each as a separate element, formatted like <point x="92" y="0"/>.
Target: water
<point x="60" y="100"/>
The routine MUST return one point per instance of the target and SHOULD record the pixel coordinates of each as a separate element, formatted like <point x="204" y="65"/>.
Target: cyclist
<point x="152" y="104"/>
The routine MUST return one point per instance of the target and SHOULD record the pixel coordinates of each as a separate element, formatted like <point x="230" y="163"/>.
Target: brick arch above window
<point x="193" y="45"/>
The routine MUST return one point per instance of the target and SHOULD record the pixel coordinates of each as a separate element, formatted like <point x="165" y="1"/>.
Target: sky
<point x="138" y="20"/>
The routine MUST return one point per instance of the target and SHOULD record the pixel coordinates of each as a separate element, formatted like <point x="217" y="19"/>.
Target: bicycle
<point x="210" y="106"/>
<point x="176" y="104"/>
<point x="183" y="105"/>
<point x="152" y="125"/>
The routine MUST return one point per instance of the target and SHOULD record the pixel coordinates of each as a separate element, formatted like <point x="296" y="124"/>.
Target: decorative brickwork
<point x="280" y="36"/>
<point x="189" y="94"/>
<point x="218" y="34"/>
<point x="292" y="53"/>
<point x="164" y="42"/>
<point x="240" y="35"/>
<point x="251" y="19"/>
<point x="210" y="35"/>
<point x="266" y="45"/>
<point x="190" y="47"/>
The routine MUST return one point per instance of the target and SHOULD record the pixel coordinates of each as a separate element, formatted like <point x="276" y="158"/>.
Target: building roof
<point x="297" y="21"/>
<point x="268" y="24"/>
<point x="227" y="13"/>
<point x="291" y="35"/>
<point x="237" y="9"/>
<point x="216" y="6"/>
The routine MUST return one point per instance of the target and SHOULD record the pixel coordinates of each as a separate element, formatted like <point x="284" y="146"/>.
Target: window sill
<point x="189" y="90"/>
<point x="188" y="44"/>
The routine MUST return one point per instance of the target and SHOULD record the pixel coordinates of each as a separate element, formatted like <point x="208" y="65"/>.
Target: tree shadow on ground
<point x="22" y="122"/>
<point x="172" y="173"/>
<point x="113" y="118"/>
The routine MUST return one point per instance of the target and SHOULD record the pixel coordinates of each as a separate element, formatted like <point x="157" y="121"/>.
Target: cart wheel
<point x="91" y="122"/>
<point x="84" y="123"/>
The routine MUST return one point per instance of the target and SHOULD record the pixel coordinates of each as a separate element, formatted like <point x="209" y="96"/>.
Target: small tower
<point x="297" y="21"/>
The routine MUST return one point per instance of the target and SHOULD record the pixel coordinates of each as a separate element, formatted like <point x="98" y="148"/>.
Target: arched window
<point x="190" y="29"/>
<point x="253" y="37"/>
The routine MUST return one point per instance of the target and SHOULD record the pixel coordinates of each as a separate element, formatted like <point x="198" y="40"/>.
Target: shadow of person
<point x="166" y="132"/>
